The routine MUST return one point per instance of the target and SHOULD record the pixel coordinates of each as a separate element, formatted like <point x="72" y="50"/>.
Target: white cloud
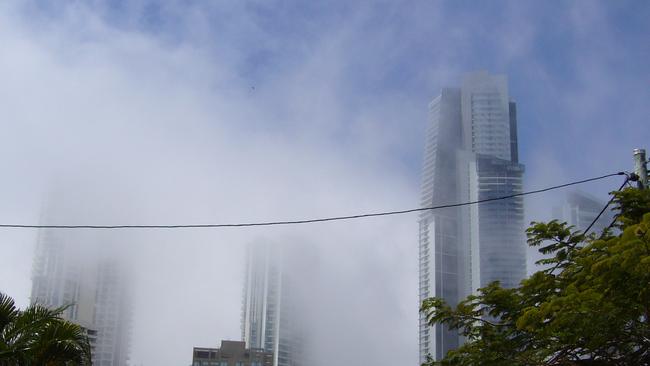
<point x="139" y="131"/>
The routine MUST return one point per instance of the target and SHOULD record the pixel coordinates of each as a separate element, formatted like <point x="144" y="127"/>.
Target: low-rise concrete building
<point x="231" y="353"/>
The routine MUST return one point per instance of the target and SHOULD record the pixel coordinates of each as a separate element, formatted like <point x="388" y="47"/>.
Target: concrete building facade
<point x="231" y="353"/>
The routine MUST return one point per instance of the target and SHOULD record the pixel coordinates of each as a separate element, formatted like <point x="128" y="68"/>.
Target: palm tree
<point x="38" y="336"/>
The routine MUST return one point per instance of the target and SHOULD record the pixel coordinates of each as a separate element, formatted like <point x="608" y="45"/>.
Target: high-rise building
<point x="68" y="271"/>
<point x="581" y="209"/>
<point x="270" y="312"/>
<point x="231" y="353"/>
<point x="471" y="153"/>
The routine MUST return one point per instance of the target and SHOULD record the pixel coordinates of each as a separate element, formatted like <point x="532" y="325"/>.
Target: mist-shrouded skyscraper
<point x="581" y="209"/>
<point x="68" y="270"/>
<point x="271" y="311"/>
<point x="471" y="153"/>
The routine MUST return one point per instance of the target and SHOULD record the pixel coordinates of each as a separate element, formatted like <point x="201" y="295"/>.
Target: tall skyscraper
<point x="270" y="308"/>
<point x="471" y="153"/>
<point x="581" y="209"/>
<point x="68" y="271"/>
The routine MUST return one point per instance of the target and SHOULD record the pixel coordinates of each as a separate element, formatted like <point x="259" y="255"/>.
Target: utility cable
<point x="305" y="221"/>
<point x="627" y="180"/>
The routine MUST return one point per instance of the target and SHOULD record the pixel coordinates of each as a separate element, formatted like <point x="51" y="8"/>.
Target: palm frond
<point x="40" y="336"/>
<point x="62" y="341"/>
<point x="8" y="311"/>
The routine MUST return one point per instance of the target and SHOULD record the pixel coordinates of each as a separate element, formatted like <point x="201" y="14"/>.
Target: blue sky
<point x="193" y="111"/>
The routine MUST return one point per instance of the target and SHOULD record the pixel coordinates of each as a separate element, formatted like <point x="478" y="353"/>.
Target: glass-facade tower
<point x="581" y="209"/>
<point x="471" y="153"/>
<point x="270" y="313"/>
<point x="68" y="271"/>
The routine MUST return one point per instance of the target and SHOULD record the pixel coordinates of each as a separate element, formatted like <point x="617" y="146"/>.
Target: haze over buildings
<point x="273" y="314"/>
<point x="152" y="105"/>
<point x="77" y="269"/>
<point x="581" y="209"/>
<point x="471" y="153"/>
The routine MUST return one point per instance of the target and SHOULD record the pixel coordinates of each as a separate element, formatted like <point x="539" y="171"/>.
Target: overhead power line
<point x="306" y="221"/>
<point x="627" y="180"/>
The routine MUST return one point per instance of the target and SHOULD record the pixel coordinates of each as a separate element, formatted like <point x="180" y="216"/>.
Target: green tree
<point x="591" y="306"/>
<point x="38" y="336"/>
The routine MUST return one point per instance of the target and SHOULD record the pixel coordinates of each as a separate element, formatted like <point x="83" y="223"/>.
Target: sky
<point x="200" y="112"/>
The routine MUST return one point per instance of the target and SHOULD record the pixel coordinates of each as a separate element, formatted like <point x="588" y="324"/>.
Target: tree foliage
<point x="38" y="336"/>
<point x="590" y="306"/>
